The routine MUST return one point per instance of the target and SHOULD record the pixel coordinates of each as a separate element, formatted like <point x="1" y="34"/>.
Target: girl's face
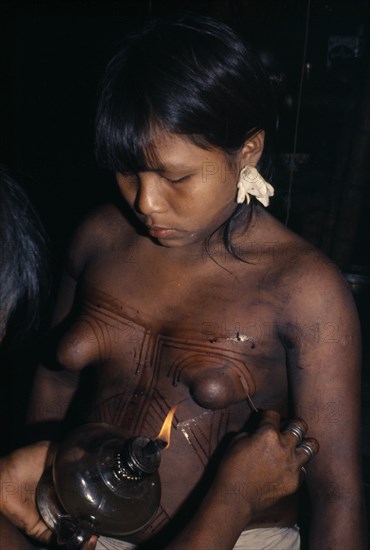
<point x="188" y="194"/>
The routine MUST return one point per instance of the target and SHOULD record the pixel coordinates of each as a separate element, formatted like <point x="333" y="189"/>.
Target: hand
<point x="20" y="473"/>
<point x="256" y="471"/>
<point x="261" y="468"/>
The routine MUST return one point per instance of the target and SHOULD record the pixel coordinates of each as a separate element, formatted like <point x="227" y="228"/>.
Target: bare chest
<point x="156" y="341"/>
<point x="164" y="339"/>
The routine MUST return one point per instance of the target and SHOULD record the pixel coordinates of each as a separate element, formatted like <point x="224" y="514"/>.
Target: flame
<point x="165" y="432"/>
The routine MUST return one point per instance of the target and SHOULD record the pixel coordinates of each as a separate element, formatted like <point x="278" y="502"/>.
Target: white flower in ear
<point x="252" y="183"/>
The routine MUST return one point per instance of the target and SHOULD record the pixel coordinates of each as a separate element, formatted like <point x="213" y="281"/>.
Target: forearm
<point x="239" y="491"/>
<point x="335" y="485"/>
<point x="217" y="524"/>
<point x="338" y="521"/>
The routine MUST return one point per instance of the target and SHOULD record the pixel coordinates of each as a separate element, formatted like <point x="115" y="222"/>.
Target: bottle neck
<point x="72" y="534"/>
<point x="125" y="472"/>
<point x="138" y="458"/>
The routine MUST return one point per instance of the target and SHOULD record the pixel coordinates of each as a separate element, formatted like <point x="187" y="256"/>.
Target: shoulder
<point x="306" y="282"/>
<point x="318" y="296"/>
<point x="321" y="284"/>
<point x="100" y="230"/>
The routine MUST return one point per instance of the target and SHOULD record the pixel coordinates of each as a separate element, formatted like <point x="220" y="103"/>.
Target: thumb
<point x="90" y="544"/>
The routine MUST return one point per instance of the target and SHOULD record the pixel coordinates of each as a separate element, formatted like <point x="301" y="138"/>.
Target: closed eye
<point x="178" y="180"/>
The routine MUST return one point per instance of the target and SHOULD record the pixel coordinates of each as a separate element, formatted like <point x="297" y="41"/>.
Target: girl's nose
<point x="150" y="196"/>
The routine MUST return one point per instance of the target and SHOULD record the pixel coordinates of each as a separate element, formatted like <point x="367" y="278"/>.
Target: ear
<point x="252" y="149"/>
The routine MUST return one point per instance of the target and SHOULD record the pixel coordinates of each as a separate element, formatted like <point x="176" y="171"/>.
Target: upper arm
<point x="324" y="359"/>
<point x="54" y="387"/>
<point x="324" y="365"/>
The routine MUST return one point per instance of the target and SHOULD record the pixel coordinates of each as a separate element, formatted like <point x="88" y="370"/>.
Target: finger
<point x="90" y="544"/>
<point x="53" y="447"/>
<point x="307" y="450"/>
<point x="295" y="431"/>
<point x="269" y="418"/>
<point x="302" y="474"/>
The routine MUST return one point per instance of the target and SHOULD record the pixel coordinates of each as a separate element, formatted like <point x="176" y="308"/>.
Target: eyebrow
<point x="169" y="167"/>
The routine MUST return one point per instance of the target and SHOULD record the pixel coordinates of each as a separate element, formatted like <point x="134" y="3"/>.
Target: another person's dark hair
<point x="24" y="274"/>
<point x="193" y="76"/>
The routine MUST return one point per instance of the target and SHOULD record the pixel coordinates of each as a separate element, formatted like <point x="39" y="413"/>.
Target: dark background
<point x="52" y="55"/>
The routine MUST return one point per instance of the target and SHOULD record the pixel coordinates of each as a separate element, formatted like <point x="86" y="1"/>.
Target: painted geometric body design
<point x="141" y="375"/>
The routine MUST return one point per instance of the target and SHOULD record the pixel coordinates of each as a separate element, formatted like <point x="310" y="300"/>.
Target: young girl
<point x="190" y="294"/>
<point x="23" y="289"/>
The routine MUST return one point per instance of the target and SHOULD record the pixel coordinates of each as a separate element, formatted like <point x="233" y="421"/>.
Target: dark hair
<point x="193" y="76"/>
<point x="24" y="281"/>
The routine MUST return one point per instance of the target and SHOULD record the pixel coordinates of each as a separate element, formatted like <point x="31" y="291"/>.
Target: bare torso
<point x="204" y="336"/>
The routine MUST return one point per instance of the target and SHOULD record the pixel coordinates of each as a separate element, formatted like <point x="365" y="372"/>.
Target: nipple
<point x="216" y="382"/>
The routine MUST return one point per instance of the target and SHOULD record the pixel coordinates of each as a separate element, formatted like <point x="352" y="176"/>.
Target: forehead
<point x="174" y="151"/>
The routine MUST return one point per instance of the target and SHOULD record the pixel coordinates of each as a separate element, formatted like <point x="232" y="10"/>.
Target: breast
<point x="99" y="336"/>
<point x="215" y="380"/>
<point x="215" y="377"/>
<point x="80" y="345"/>
<point x="144" y="362"/>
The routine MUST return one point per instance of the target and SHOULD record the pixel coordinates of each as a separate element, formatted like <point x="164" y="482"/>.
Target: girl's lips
<point x="160" y="232"/>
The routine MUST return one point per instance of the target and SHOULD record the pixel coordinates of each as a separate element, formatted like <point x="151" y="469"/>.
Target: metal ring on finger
<point x="306" y="447"/>
<point x="296" y="430"/>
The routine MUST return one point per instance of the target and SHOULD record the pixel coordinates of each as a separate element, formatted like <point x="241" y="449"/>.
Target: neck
<point x="213" y="245"/>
